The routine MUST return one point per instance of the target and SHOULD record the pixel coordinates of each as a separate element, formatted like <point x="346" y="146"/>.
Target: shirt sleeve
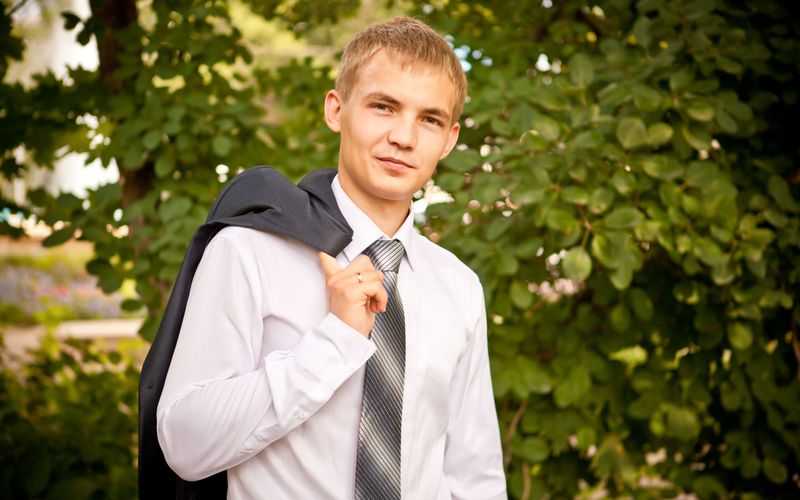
<point x="473" y="462"/>
<point x="218" y="408"/>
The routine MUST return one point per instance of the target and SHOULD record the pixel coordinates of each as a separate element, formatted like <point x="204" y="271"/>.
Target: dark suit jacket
<point x="259" y="198"/>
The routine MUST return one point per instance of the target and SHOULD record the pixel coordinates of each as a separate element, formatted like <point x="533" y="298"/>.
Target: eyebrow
<point x="380" y="96"/>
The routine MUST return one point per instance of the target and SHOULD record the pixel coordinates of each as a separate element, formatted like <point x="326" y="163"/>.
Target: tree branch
<point x="512" y="431"/>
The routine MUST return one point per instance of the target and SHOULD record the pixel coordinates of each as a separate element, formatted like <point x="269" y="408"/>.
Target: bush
<point x="68" y="423"/>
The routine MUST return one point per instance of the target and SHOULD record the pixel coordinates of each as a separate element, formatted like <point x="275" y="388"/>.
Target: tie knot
<point x="385" y="254"/>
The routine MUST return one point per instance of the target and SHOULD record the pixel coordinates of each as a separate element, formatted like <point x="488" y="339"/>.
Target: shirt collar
<point x="365" y="231"/>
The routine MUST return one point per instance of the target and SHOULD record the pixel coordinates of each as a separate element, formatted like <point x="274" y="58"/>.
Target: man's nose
<point x="403" y="133"/>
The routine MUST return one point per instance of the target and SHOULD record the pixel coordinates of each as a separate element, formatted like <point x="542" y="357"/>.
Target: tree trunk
<point x="117" y="16"/>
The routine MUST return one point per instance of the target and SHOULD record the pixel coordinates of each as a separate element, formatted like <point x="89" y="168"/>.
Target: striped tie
<point x="378" y="458"/>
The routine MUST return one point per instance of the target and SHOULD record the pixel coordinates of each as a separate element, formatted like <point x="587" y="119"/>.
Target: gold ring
<point x="358" y="277"/>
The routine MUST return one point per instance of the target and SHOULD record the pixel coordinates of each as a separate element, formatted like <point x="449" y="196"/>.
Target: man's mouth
<point x="394" y="162"/>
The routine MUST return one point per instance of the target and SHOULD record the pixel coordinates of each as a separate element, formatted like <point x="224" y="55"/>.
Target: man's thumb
<point x="329" y="264"/>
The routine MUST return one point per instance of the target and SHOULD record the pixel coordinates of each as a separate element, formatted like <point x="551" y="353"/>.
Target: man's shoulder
<point x="443" y="259"/>
<point x="258" y="242"/>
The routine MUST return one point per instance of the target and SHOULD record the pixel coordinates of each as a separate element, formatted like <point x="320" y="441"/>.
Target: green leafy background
<point x="626" y="186"/>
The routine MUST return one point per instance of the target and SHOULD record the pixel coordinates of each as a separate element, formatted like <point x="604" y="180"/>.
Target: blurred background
<point x="626" y="185"/>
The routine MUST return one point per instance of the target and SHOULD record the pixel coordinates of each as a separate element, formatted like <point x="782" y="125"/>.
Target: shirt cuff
<point x="330" y="343"/>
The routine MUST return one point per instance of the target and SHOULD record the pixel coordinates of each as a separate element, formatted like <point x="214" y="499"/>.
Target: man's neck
<point x="388" y="215"/>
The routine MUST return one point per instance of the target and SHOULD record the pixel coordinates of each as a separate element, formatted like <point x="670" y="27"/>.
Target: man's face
<point x="394" y="127"/>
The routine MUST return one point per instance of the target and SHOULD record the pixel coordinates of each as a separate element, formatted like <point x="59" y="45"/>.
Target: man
<point x="307" y="376"/>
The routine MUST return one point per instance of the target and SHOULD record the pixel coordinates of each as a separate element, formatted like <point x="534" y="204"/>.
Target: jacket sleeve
<point x="473" y="462"/>
<point x="218" y="408"/>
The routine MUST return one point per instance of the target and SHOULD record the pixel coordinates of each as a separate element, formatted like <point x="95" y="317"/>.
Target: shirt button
<point x="301" y="414"/>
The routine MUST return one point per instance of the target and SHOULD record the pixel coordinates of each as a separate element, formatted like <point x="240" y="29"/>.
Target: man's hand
<point x="355" y="293"/>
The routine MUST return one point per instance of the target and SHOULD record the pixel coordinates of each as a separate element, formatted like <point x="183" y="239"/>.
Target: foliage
<point x="627" y="189"/>
<point x="68" y="423"/>
<point x="165" y="116"/>
<point x="648" y="173"/>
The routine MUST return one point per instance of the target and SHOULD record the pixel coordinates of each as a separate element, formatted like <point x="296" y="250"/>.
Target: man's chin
<point x="393" y="194"/>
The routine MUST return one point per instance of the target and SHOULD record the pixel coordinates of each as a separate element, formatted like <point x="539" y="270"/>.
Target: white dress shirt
<point x="267" y="384"/>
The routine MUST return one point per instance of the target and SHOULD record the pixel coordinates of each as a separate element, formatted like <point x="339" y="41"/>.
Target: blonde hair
<point x="414" y="42"/>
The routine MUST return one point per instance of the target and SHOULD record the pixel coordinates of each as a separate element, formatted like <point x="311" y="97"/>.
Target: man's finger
<point x="329" y="265"/>
<point x="379" y="301"/>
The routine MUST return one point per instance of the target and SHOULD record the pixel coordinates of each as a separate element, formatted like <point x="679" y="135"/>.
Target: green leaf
<point x="603" y="250"/>
<point x="533" y="449"/>
<point x="134" y="156"/>
<point x="532" y="141"/>
<point x="520" y="295"/>
<point x="151" y="139"/>
<point x="507" y="264"/>
<point x="730" y="397"/>
<point x="577" y="264"/>
<point x="708" y="486"/>
<point x="778" y="188"/>
<point x="221" y="145"/>
<point x="573" y="387"/>
<point x="577" y="195"/>
<point x="622" y="276"/>
<point x="537" y="380"/>
<point x="69" y="202"/>
<point x="620" y="317"/>
<point x="37" y="476"/>
<point x="740" y="335"/>
<point x="641" y="304"/>
<point x="775" y="471"/>
<point x="497" y="227"/>
<point x="131" y="305"/>
<point x="559" y="219"/>
<point x="700" y="111"/>
<point x="696" y="137"/>
<point x="165" y="164"/>
<point x="501" y="127"/>
<point x="703" y="174"/>
<point x="631" y="132"/>
<point x="646" y="98"/>
<point x="106" y="194"/>
<point x="624" y="217"/>
<point x="546" y="127"/>
<point x="729" y="65"/>
<point x="662" y="167"/>
<point x="448" y="181"/>
<point x="581" y="70"/>
<point x="614" y="94"/>
<point x="73" y="488"/>
<point x="631" y="356"/>
<point x="174" y="207"/>
<point x="726" y="121"/>
<point x="708" y="252"/>
<point x="624" y="182"/>
<point x="176" y="112"/>
<point x="99" y="267"/>
<point x="600" y="200"/>
<point x="58" y="237"/>
<point x="586" y="438"/>
<point x="679" y="80"/>
<point x="658" y="134"/>
<point x="463" y="160"/>
<point x="682" y="423"/>
<point x="589" y="139"/>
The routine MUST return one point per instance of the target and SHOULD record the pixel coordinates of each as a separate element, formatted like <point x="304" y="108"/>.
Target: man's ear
<point x="333" y="110"/>
<point x="451" y="140"/>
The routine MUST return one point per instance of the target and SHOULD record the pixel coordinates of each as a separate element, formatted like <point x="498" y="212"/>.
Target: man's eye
<point x="433" y="121"/>
<point x="380" y="107"/>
